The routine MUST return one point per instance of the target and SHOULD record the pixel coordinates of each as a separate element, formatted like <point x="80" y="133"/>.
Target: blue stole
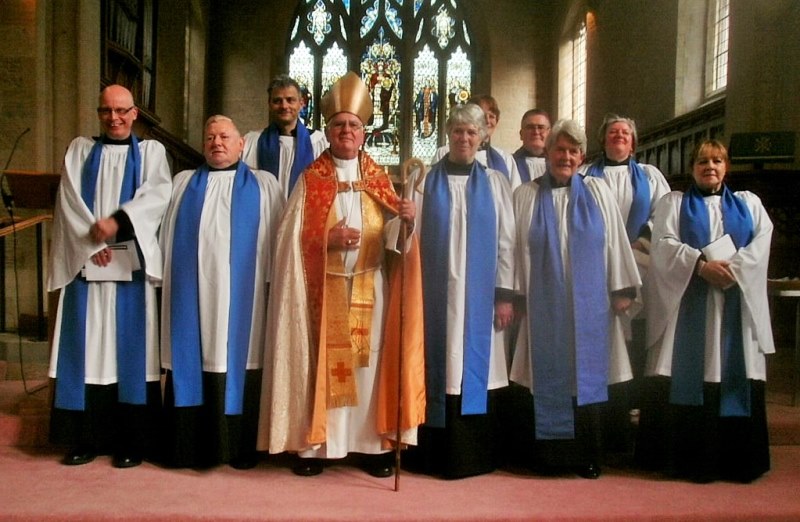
<point x="554" y="339"/>
<point x="187" y="365"/>
<point x="522" y="165"/>
<point x="495" y="161"/>
<point x="269" y="152"/>
<point x="131" y="322"/>
<point x="690" y="332"/>
<point x="479" y="306"/>
<point x="640" y="206"/>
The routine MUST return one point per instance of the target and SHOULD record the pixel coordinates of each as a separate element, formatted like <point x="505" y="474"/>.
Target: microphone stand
<point x="5" y="192"/>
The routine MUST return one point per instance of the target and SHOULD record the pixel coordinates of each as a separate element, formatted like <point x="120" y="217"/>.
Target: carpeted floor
<point x="37" y="488"/>
<point x="34" y="486"/>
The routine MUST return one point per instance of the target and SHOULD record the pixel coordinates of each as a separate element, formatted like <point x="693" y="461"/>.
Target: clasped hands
<point x="102" y="230"/>
<point x="717" y="273"/>
<point x="342" y="237"/>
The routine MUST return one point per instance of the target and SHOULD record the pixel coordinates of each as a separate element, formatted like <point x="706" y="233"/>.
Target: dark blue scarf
<point x="494" y="160"/>
<point x="131" y="323"/>
<point x="187" y="364"/>
<point x="640" y="206"/>
<point x="690" y="332"/>
<point x="480" y="277"/>
<point x="520" y="157"/>
<point x="555" y="343"/>
<point x="269" y="152"/>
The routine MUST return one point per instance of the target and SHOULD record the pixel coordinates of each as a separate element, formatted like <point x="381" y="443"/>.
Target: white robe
<point x="673" y="264"/>
<point x="536" y="166"/>
<point x="72" y="248"/>
<point x="213" y="253"/>
<point x="511" y="164"/>
<point x="287" y="148"/>
<point x="457" y="275"/>
<point x="620" y="270"/>
<point x="285" y="413"/>
<point x="618" y="178"/>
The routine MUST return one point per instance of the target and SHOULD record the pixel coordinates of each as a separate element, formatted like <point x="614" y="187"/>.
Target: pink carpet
<point x="36" y="487"/>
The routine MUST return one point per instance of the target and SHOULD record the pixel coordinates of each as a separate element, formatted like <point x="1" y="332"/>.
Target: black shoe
<point x="244" y="462"/>
<point x="307" y="467"/>
<point x="379" y="466"/>
<point x="78" y="456"/>
<point x="125" y="460"/>
<point x="590" y="471"/>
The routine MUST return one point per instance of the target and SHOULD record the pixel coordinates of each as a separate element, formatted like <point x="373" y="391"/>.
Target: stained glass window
<point x="413" y="83"/>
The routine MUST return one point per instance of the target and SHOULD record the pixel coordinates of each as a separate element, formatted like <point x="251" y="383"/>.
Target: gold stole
<point x="348" y="324"/>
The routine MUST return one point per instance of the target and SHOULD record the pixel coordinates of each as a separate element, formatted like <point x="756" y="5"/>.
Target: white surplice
<point x="672" y="265"/>
<point x="287" y="145"/>
<point x="621" y="270"/>
<point x="213" y="254"/>
<point x="71" y="248"/>
<point x="457" y="275"/>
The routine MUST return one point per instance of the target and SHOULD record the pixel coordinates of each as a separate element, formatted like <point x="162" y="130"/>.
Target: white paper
<point x="720" y="250"/>
<point x="124" y="261"/>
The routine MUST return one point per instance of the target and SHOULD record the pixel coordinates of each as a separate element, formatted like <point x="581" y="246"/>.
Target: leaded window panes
<point x="413" y="82"/>
<point x="717" y="53"/>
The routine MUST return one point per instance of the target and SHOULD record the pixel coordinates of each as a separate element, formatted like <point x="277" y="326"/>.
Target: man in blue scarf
<point x="217" y="239"/>
<point x="114" y="189"/>
<point x="286" y="146"/>
<point x="534" y="127"/>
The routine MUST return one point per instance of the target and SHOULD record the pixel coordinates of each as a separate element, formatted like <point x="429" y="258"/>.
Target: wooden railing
<point x="669" y="145"/>
<point x="11" y="229"/>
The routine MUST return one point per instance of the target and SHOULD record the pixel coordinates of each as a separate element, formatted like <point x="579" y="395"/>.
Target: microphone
<point x="5" y="191"/>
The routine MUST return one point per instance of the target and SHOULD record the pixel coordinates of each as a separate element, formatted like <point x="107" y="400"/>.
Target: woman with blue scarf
<point x="466" y="228"/>
<point x="637" y="187"/>
<point x="489" y="156"/>
<point x="576" y="271"/>
<point x="703" y="417"/>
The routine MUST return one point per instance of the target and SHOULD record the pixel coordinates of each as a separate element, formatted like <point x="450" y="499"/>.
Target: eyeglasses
<point x="107" y="111"/>
<point x="540" y="128"/>
<point x="341" y="125"/>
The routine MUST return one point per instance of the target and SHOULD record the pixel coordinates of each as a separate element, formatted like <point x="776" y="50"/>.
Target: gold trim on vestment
<point x="349" y="320"/>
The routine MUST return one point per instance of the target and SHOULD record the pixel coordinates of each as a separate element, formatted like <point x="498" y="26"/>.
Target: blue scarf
<point x="479" y="306"/>
<point x="555" y="343"/>
<point x="640" y="206"/>
<point x="187" y="366"/>
<point x="269" y="152"/>
<point x="690" y="332"/>
<point x="522" y="165"/>
<point x="495" y="161"/>
<point x="131" y="323"/>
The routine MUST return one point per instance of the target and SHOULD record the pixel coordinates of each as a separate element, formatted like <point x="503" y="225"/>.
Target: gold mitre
<point x="348" y="94"/>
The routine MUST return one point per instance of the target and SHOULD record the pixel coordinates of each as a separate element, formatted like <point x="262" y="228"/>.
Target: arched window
<point x="717" y="47"/>
<point x="572" y="75"/>
<point x="415" y="56"/>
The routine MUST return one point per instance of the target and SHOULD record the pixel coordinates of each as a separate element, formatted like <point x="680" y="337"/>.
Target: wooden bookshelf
<point x="128" y="29"/>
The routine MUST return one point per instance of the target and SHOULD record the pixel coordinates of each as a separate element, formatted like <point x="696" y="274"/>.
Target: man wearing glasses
<point x="286" y="147"/>
<point x="327" y="391"/>
<point x="105" y="259"/>
<point x="533" y="131"/>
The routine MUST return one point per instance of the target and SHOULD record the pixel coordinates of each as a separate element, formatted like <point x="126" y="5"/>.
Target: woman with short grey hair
<point x="466" y="228"/>
<point x="637" y="187"/>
